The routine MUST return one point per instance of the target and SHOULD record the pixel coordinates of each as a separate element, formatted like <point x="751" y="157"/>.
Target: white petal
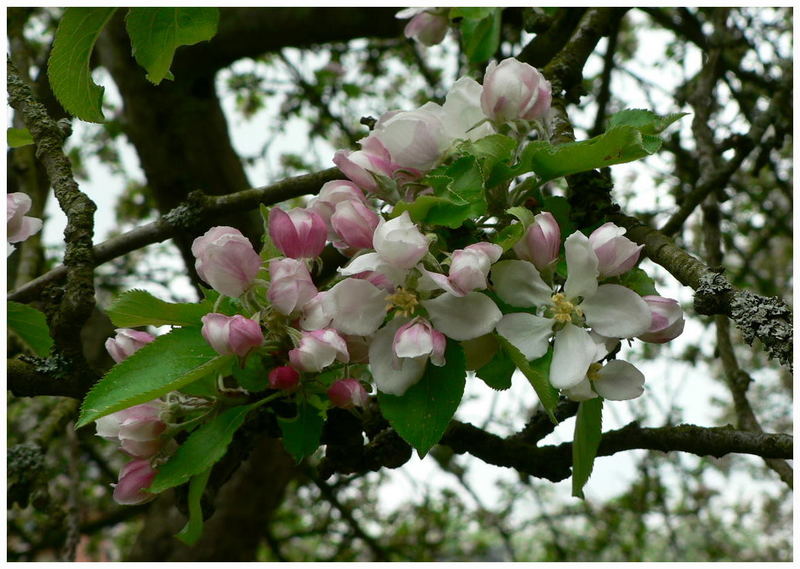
<point x="519" y="284"/>
<point x="357" y="307"/>
<point x="374" y="262"/>
<point x="581" y="392"/>
<point x="463" y="318"/>
<point x="617" y="312"/>
<point x="604" y="345"/>
<point x="573" y="352"/>
<point x="391" y="380"/>
<point x="528" y="333"/>
<point x="438" y="280"/>
<point x="581" y="266"/>
<point x="618" y="381"/>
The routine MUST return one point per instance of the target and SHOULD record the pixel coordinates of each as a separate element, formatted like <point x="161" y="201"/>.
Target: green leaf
<point x="201" y="450"/>
<point x="422" y="413"/>
<point x="157" y="32"/>
<point x="68" y="67"/>
<point x="166" y="364"/>
<point x="538" y="374"/>
<point x="588" y="432"/>
<point x="647" y="122"/>
<point x="253" y="377"/>
<point x="193" y="529"/>
<point x="301" y="434"/>
<point x="470" y="13"/>
<point x="639" y="282"/>
<point x="508" y="236"/>
<point x="458" y="195"/>
<point x="140" y="308"/>
<point x="16" y="137"/>
<point x="480" y="37"/>
<point x="31" y="327"/>
<point x="497" y="373"/>
<point x="490" y="151"/>
<point x="523" y="214"/>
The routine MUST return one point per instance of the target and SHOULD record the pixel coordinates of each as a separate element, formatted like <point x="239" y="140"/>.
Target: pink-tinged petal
<point x="427" y="28"/>
<point x="417" y="339"/>
<point x="573" y="352"/>
<point x="581" y="266"/>
<point x="318" y="349"/>
<point x="399" y="242"/>
<point x="357" y="307"/>
<point x="581" y="392"/>
<point x="355" y="223"/>
<point x="226" y="260"/>
<point x="667" y="319"/>
<point x="315" y="313"/>
<point x="433" y="281"/>
<point x="231" y="335"/>
<point x="133" y="479"/>
<point x="492" y="251"/>
<point x="616" y="312"/>
<point x="393" y="375"/>
<point x="619" y="381"/>
<point x="541" y="243"/>
<point x="290" y="285"/>
<point x="126" y="342"/>
<point x="374" y="263"/>
<point x="510" y="90"/>
<point x="519" y="284"/>
<point x="350" y="165"/>
<point x="462" y="108"/>
<point x="616" y="254"/>
<point x="469" y="268"/>
<point x="347" y="393"/>
<point x="299" y="233"/>
<point x="463" y="318"/>
<point x="528" y="333"/>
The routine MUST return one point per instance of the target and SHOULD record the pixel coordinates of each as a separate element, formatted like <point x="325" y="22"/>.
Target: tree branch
<point x="198" y="212"/>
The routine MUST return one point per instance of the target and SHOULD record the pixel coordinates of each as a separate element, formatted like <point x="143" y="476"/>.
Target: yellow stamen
<point x="404" y="301"/>
<point x="594" y="371"/>
<point x="563" y="309"/>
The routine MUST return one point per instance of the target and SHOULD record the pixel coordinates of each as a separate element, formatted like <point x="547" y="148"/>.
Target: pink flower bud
<point x="616" y="254"/>
<point x="355" y="223"/>
<point x="428" y="26"/>
<point x="290" y="286"/>
<point x="318" y="349"/>
<point x="377" y="279"/>
<point x="332" y="193"/>
<point x="399" y="242"/>
<point x="299" y="233"/>
<point x="126" y="342"/>
<point x="470" y="266"/>
<point x="347" y="393"/>
<point x="133" y="479"/>
<point x="363" y="165"/>
<point x="418" y="338"/>
<point x="137" y="428"/>
<point x="513" y="90"/>
<point x="284" y="377"/>
<point x="231" y="334"/>
<point x="667" y="319"/>
<point x="18" y="225"/>
<point x="315" y="313"/>
<point x="541" y="242"/>
<point x="226" y="260"/>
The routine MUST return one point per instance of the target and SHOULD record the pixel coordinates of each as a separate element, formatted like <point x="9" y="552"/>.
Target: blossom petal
<point x="519" y="284"/>
<point x="376" y="263"/>
<point x="618" y="381"/>
<point x="617" y="312"/>
<point x="463" y="318"/>
<point x="357" y="307"/>
<point x="393" y="375"/>
<point x="573" y="352"/>
<point x="581" y="392"/>
<point x="528" y="333"/>
<point x="582" y="266"/>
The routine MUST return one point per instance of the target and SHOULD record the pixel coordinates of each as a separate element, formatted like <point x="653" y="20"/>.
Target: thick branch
<point x="71" y="306"/>
<point x="758" y="317"/>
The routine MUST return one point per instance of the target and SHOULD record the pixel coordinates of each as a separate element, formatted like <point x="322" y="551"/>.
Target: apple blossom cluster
<point x="405" y="294"/>
<point x="18" y="225"/>
<point x="137" y="429"/>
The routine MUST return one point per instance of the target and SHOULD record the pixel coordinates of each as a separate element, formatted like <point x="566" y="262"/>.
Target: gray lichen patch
<point x="765" y="318"/>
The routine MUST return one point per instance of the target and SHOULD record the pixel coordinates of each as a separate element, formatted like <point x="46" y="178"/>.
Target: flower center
<point x="563" y="309"/>
<point x="404" y="301"/>
<point x="594" y="371"/>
